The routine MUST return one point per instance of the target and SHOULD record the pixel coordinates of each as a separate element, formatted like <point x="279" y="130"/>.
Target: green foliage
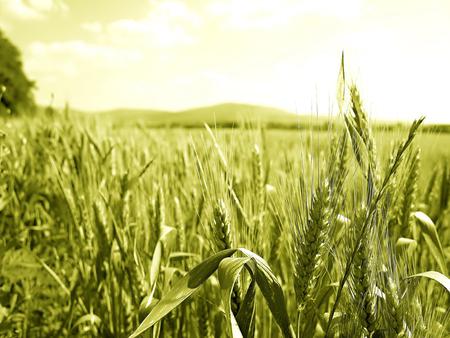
<point x="437" y="276"/>
<point x="15" y="88"/>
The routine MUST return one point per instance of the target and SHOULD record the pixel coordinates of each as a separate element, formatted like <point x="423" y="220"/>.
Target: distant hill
<point x="234" y="112"/>
<point x="226" y="114"/>
<point x="133" y="115"/>
<point x="234" y="115"/>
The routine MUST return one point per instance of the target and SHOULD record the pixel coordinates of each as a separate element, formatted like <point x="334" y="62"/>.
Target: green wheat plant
<point x="113" y="230"/>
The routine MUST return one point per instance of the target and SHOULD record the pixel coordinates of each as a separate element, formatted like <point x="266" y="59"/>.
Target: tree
<point x="16" y="90"/>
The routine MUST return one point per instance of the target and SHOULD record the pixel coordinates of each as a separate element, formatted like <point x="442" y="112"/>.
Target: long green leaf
<point x="156" y="264"/>
<point x="437" y="276"/>
<point x="182" y="290"/>
<point x="407" y="245"/>
<point x="431" y="237"/>
<point x="54" y="275"/>
<point x="246" y="315"/>
<point x="154" y="274"/>
<point x="272" y="292"/>
<point x="229" y="270"/>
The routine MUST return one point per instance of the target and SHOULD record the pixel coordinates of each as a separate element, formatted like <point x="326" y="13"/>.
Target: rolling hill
<point x="226" y="114"/>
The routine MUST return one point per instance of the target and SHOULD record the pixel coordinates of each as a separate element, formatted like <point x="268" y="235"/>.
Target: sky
<point x="173" y="54"/>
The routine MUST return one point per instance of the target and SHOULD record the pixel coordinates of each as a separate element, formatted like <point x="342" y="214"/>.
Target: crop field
<point x="247" y="232"/>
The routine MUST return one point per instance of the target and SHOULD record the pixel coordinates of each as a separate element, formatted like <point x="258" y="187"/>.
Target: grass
<point x="118" y="231"/>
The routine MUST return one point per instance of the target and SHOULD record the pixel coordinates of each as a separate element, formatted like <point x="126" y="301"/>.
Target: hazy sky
<point x="101" y="54"/>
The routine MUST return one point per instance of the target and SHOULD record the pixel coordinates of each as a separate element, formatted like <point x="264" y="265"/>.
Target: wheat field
<point x="248" y="232"/>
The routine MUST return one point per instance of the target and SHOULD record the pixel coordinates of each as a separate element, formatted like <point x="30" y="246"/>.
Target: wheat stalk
<point x="221" y="228"/>
<point x="309" y="246"/>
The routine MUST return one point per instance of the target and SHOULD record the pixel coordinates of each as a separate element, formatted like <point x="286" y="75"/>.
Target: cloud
<point x="46" y="6"/>
<point x="168" y="24"/>
<point x="267" y="14"/>
<point x="19" y="9"/>
<point x="93" y="27"/>
<point x="344" y="9"/>
<point x="68" y="58"/>
<point x="116" y="57"/>
<point x="249" y="14"/>
<point x="33" y="9"/>
<point x="82" y="51"/>
<point x="77" y="70"/>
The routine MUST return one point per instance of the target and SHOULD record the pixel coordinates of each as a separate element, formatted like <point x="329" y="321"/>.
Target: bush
<point x="16" y="94"/>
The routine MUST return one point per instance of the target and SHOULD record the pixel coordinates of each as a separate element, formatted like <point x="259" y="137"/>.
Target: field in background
<point x="234" y="115"/>
<point x="98" y="223"/>
<point x="223" y="115"/>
